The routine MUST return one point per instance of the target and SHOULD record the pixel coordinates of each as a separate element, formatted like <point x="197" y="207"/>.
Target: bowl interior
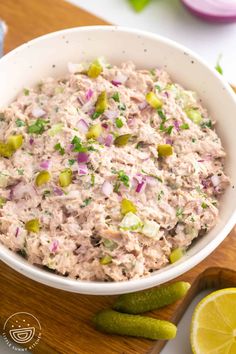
<point x="49" y="55"/>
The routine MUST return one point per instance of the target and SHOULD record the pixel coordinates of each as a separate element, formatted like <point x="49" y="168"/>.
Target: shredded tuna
<point x="81" y="223"/>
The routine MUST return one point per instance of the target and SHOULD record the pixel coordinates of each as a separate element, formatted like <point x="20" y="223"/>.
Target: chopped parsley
<point x="20" y="123"/>
<point x="20" y="171"/>
<point x="38" y="127"/>
<point x="116" y="187"/>
<point x="207" y="124"/>
<point x="193" y="140"/>
<point x="152" y="175"/>
<point x="122" y="107"/>
<point x="95" y="115"/>
<point x="26" y="92"/>
<point x="78" y="147"/>
<point x="168" y="130"/>
<point x="179" y="212"/>
<point x="161" y="114"/>
<point x="86" y="202"/>
<point x="119" y="123"/>
<point x="59" y="148"/>
<point x="158" y="88"/>
<point x="116" y="97"/>
<point x="184" y="126"/>
<point x="71" y="162"/>
<point x="122" y="177"/>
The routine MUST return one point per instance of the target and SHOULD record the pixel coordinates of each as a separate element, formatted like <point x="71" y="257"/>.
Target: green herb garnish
<point x="116" y="97"/>
<point x="161" y="114"/>
<point x="86" y="202"/>
<point x="92" y="180"/>
<point x="184" y="126"/>
<point x="59" y="148"/>
<point x="122" y="107"/>
<point x="179" y="212"/>
<point x="78" y="147"/>
<point x="204" y="205"/>
<point x="95" y="115"/>
<point x="207" y="124"/>
<point x="168" y="130"/>
<point x="20" y="123"/>
<point x="71" y="162"/>
<point x="38" y="127"/>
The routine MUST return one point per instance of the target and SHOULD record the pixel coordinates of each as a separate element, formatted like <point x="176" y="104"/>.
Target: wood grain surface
<point x="66" y="317"/>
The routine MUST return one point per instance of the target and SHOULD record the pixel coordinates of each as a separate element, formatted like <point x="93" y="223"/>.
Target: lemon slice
<point x="213" y="328"/>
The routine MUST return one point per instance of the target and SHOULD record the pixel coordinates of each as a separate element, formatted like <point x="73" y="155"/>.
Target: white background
<point x="169" y="18"/>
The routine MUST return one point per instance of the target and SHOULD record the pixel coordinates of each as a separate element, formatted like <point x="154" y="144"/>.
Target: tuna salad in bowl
<point x="112" y="169"/>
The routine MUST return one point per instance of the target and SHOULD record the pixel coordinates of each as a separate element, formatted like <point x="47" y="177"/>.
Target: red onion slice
<point x="89" y="94"/>
<point x="82" y="157"/>
<point x="38" y="112"/>
<point x="83" y="169"/>
<point x="107" y="188"/>
<point x="108" y="140"/>
<point x="58" y="191"/>
<point x="139" y="187"/>
<point x="55" y="245"/>
<point x="44" y="164"/>
<point x="213" y="10"/>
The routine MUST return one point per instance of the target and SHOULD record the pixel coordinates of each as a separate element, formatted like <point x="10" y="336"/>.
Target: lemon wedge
<point x="213" y="328"/>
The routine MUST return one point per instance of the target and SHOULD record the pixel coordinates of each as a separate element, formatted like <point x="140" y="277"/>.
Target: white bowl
<point x="48" y="56"/>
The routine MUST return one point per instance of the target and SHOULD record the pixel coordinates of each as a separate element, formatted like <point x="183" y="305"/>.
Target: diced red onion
<point x="55" y="245"/>
<point x="79" y="99"/>
<point x="139" y="187"/>
<point x="169" y="141"/>
<point x="105" y="125"/>
<point x="17" y="231"/>
<point x="82" y="157"/>
<point x="83" y="126"/>
<point x="89" y="94"/>
<point x="115" y="83"/>
<point x="38" y="112"/>
<point x="142" y="105"/>
<point x="213" y="10"/>
<point x="83" y="169"/>
<point x="31" y="141"/>
<point x="111" y="114"/>
<point x="166" y="94"/>
<point x="44" y="164"/>
<point x="200" y="160"/>
<point x="177" y="125"/>
<point x="215" y="180"/>
<point x="107" y="188"/>
<point x="139" y="177"/>
<point x="58" y="191"/>
<point x="108" y="140"/>
<point x="206" y="183"/>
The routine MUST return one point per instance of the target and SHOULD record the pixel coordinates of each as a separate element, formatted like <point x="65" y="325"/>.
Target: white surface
<point x="21" y="68"/>
<point x="181" y="344"/>
<point x="170" y="18"/>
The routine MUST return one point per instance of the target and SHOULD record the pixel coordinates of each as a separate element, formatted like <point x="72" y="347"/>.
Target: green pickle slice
<point x="110" y="321"/>
<point x="152" y="299"/>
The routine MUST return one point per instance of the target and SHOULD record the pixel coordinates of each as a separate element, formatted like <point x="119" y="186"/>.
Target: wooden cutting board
<point x="66" y="317"/>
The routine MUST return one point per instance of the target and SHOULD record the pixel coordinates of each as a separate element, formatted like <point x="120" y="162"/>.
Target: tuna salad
<point x="108" y="173"/>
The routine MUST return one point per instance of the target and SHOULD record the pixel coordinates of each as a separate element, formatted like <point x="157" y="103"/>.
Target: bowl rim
<point x="112" y="288"/>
